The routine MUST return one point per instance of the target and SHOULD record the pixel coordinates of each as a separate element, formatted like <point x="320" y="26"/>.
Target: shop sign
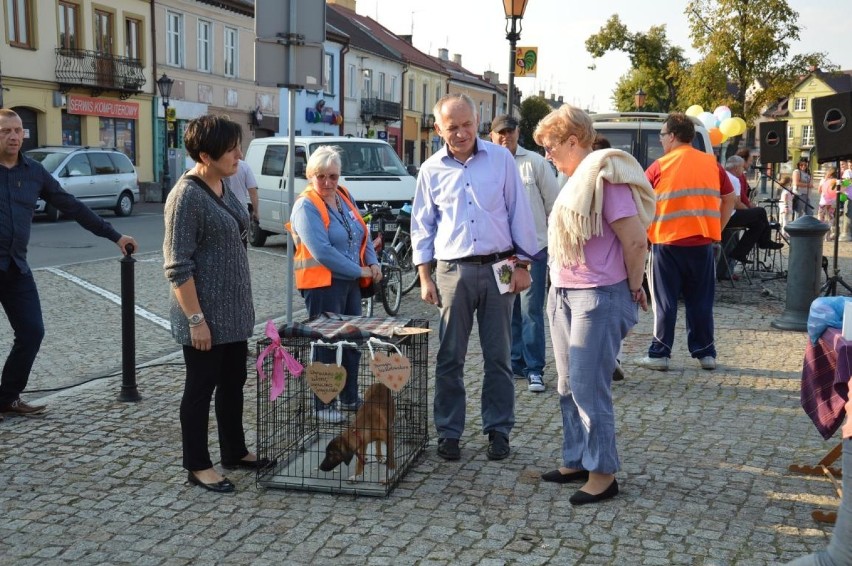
<point x="102" y="107"/>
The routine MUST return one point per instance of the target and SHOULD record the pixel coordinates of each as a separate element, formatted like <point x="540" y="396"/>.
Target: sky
<point x="476" y="29"/>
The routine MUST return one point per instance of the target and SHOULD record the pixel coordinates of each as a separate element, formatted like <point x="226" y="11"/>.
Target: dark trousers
<point x="221" y="369"/>
<point x="343" y="296"/>
<point x="757" y="231"/>
<point x="19" y="297"/>
<point x="687" y="271"/>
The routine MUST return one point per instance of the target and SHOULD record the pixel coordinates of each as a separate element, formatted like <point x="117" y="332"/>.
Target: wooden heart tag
<point x="326" y="380"/>
<point x="393" y="370"/>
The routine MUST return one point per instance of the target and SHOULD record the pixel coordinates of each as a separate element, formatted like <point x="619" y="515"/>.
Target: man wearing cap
<point x="528" y="313"/>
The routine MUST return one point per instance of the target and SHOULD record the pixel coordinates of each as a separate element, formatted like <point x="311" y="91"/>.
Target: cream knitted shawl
<point x="576" y="215"/>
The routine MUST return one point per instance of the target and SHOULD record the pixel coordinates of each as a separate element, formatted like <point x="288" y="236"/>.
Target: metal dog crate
<point x="291" y="436"/>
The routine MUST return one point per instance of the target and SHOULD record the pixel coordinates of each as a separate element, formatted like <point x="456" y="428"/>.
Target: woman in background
<point x="333" y="252"/>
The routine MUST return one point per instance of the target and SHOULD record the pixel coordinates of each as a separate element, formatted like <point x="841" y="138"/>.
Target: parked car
<point x="101" y="178"/>
<point x="638" y="133"/>
<point x="371" y="171"/>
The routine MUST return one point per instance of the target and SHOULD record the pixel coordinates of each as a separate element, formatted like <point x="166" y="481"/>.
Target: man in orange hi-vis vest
<point x="694" y="202"/>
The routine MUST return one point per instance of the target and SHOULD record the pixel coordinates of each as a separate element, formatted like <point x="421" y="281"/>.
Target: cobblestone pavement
<point x="704" y="478"/>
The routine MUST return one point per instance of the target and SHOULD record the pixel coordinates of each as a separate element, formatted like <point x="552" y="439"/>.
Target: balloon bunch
<point x="719" y="123"/>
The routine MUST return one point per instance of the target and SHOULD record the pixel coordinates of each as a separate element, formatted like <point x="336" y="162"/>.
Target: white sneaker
<point x="536" y="382"/>
<point x="330" y="415"/>
<point x="659" y="364"/>
<point x="708" y="362"/>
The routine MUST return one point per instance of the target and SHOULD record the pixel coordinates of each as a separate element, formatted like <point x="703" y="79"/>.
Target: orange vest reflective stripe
<point x="311" y="274"/>
<point x="688" y="197"/>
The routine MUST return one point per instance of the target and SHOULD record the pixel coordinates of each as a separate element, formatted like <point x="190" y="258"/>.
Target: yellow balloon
<point x="742" y="124"/>
<point x="729" y="127"/>
<point x="694" y="110"/>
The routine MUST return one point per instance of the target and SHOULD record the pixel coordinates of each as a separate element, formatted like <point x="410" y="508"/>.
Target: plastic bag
<point x="825" y="312"/>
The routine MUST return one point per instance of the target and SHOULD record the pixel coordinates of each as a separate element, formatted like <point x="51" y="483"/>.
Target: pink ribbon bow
<point x="281" y="357"/>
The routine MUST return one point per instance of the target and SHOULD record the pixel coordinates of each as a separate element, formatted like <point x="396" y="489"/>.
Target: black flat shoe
<point x="224" y="486"/>
<point x="580" y="497"/>
<point x="246" y="464"/>
<point x="556" y="476"/>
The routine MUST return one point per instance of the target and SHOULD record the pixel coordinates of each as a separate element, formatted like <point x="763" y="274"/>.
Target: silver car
<point x="100" y="178"/>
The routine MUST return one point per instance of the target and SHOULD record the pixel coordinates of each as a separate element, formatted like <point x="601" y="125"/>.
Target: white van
<point x="638" y="133"/>
<point x="371" y="171"/>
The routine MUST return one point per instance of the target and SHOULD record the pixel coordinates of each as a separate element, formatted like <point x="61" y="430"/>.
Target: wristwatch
<point x="523" y="265"/>
<point x="195" y="319"/>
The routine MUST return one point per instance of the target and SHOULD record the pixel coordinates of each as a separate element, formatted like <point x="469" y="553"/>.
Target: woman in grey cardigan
<point x="212" y="314"/>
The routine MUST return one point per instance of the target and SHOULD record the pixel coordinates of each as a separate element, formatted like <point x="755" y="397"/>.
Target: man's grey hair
<point x="733" y="162"/>
<point x="436" y="110"/>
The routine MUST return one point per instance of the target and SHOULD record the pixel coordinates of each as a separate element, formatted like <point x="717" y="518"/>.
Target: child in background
<point x="785" y="207"/>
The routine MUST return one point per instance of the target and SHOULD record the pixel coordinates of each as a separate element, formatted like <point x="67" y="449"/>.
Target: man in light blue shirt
<point x="471" y="211"/>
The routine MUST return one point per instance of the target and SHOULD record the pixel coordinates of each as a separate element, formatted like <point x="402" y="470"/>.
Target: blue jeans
<point x="465" y="289"/>
<point x="587" y="327"/>
<point x="19" y="297"/>
<point x="528" y="323"/>
<point x="343" y="296"/>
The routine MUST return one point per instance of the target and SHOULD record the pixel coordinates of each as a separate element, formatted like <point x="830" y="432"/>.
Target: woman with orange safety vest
<point x="334" y="257"/>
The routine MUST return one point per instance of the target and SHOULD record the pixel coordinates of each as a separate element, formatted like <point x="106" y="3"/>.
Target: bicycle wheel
<point x="367" y="306"/>
<point x="409" y="271"/>
<point x="391" y="282"/>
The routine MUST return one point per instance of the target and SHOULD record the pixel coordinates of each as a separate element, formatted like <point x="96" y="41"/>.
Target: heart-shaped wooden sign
<point x="326" y="380"/>
<point x="393" y="370"/>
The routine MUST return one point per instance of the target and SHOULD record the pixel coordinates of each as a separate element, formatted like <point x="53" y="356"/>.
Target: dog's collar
<point x="358" y="453"/>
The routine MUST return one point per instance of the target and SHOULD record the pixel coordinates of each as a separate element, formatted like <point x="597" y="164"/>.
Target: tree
<point x="748" y="41"/>
<point x="533" y="109"/>
<point x="656" y="63"/>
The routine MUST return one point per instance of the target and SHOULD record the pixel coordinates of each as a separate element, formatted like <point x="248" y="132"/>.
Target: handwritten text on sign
<point x="392" y="370"/>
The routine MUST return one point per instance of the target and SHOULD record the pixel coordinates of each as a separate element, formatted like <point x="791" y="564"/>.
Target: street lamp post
<point x="164" y="85"/>
<point x="639" y="99"/>
<point x="514" y="10"/>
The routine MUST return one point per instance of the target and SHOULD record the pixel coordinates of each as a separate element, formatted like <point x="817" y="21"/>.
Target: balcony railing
<point x="98" y="72"/>
<point x="427" y="122"/>
<point x="381" y="109"/>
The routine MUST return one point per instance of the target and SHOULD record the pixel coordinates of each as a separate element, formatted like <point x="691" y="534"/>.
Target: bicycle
<point x="389" y="291"/>
<point x="382" y="220"/>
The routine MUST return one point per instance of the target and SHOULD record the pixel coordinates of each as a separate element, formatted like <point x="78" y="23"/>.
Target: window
<point x="68" y="24"/>
<point x="71" y="129"/>
<point x="205" y="46"/>
<point x="19" y="22"/>
<point x="77" y="166"/>
<point x="393" y="88"/>
<point x="801" y="104"/>
<point x="103" y="32"/>
<point x="102" y="164"/>
<point x="425" y="86"/>
<point x="790" y="132"/>
<point x="231" y="52"/>
<point x="382" y="93"/>
<point x="808" y="134"/>
<point x="328" y="73"/>
<point x="367" y="91"/>
<point x="174" y="39"/>
<point x="133" y="39"/>
<point x="350" y="87"/>
<point x="411" y="94"/>
<point x="119" y="134"/>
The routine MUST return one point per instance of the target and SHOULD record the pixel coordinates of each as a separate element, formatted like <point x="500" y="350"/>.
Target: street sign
<point x="288" y="51"/>
<point x="272" y="17"/>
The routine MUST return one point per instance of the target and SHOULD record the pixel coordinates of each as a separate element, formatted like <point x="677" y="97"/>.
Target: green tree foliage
<point x="533" y="109"/>
<point x="657" y="65"/>
<point x="748" y="42"/>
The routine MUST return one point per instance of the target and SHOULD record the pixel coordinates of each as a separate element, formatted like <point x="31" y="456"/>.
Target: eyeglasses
<point x="664" y="134"/>
<point x="322" y="177"/>
<point x="550" y="148"/>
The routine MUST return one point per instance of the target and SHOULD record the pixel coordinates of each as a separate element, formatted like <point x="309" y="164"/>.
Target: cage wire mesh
<point x="295" y="440"/>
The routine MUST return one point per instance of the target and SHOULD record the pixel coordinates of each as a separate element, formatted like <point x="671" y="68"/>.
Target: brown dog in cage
<point x="373" y="423"/>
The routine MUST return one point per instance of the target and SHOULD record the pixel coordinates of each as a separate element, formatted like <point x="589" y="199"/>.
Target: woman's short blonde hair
<point x="324" y="158"/>
<point x="565" y="121"/>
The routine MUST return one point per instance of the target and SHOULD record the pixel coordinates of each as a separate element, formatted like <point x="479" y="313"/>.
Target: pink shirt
<point x="604" y="254"/>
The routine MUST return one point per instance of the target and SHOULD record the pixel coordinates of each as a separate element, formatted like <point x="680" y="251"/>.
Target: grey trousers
<point x="466" y="289"/>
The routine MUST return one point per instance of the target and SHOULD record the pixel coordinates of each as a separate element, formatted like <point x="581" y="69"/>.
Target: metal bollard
<point x="803" y="272"/>
<point x="128" y="393"/>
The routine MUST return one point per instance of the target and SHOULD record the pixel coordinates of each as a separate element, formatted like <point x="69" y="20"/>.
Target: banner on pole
<point x="526" y="61"/>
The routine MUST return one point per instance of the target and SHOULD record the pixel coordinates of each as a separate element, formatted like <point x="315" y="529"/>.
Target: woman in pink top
<point x="597" y="236"/>
<point x="828" y="200"/>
